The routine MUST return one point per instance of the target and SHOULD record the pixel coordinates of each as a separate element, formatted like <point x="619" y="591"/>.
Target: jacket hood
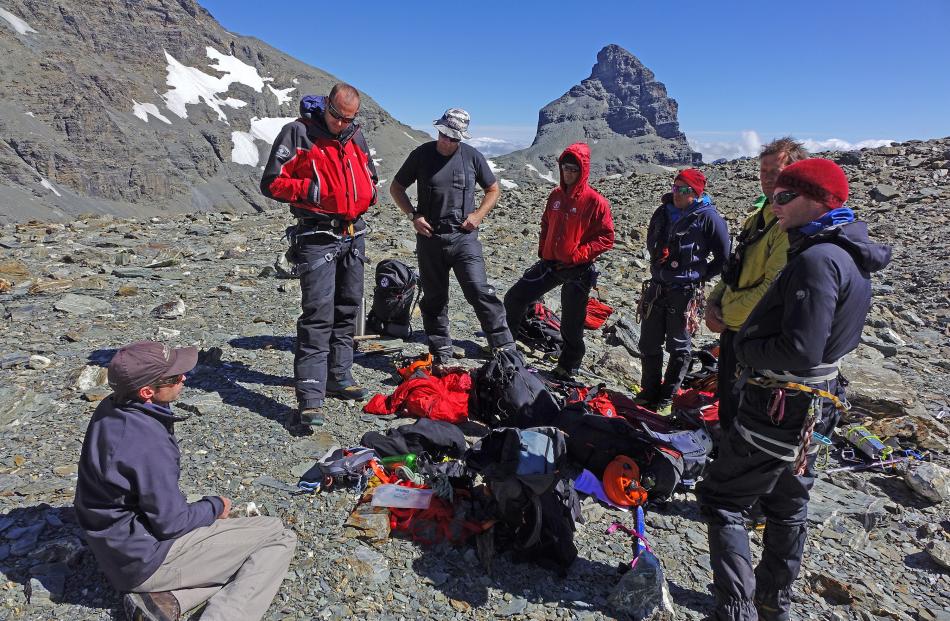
<point x="853" y="237"/>
<point x="581" y="153"/>
<point x="311" y="111"/>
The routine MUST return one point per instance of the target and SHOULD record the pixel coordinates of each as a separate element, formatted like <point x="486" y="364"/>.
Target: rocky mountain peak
<point x="621" y="110"/>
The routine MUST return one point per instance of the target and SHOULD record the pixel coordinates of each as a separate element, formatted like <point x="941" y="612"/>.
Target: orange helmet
<point x="622" y="482"/>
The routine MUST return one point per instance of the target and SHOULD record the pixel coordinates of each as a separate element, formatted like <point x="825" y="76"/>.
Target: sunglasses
<point x="337" y="115"/>
<point x="682" y="189"/>
<point x="572" y="168"/>
<point x="170" y="381"/>
<point x="450" y="138"/>
<point x="786" y="197"/>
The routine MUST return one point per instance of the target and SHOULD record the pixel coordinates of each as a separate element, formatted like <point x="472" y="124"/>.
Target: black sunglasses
<point x="786" y="197"/>
<point x="337" y="115"/>
<point x="574" y="168"/>
<point x="169" y="381"/>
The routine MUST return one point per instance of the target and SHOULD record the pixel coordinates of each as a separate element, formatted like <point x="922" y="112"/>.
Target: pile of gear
<point x="516" y="489"/>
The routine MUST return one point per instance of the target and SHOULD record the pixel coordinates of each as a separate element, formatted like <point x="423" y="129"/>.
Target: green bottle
<point x="408" y="460"/>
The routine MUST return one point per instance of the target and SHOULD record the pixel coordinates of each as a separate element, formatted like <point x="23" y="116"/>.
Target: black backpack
<point x="393" y="299"/>
<point x="593" y="441"/>
<point x="507" y="394"/>
<point x="541" y="329"/>
<point x="531" y="484"/>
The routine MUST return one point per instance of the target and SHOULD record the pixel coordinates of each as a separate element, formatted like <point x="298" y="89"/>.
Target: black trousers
<point x="575" y="284"/>
<point x="741" y="476"/>
<point x="331" y="288"/>
<point x="666" y="324"/>
<point x="460" y="252"/>
<point x="728" y="400"/>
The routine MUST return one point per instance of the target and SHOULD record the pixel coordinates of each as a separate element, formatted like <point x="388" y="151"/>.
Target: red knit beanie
<point x="694" y="179"/>
<point x="816" y="178"/>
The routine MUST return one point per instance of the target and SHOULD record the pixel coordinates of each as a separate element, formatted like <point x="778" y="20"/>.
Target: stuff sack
<point x="505" y="393"/>
<point x="597" y="314"/>
<point x="526" y="471"/>
<point x="540" y="329"/>
<point x="393" y="298"/>
<point x="435" y="438"/>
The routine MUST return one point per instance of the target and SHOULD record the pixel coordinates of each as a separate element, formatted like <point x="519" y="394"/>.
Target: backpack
<point x="593" y="441"/>
<point x="505" y="393"/>
<point x="393" y="299"/>
<point x="527" y="474"/>
<point x="541" y="329"/>
<point x="338" y="468"/>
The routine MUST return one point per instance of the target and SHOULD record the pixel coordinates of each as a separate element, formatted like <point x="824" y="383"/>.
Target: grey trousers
<point x="235" y="565"/>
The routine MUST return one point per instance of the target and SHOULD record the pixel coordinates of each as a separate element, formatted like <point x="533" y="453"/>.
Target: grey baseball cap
<point x="145" y="362"/>
<point x="454" y="123"/>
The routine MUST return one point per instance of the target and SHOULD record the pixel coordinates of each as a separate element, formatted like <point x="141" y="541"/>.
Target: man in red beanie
<point x="576" y="228"/>
<point x="788" y="352"/>
<point x="168" y="554"/>
<point x="684" y="231"/>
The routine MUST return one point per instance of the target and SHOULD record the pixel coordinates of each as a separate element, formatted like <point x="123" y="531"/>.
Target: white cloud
<point x="749" y="144"/>
<point x="836" y="144"/>
<point x="18" y="24"/>
<point x="490" y="147"/>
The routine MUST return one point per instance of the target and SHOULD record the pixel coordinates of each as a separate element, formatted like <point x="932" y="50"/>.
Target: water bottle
<point x="408" y="460"/>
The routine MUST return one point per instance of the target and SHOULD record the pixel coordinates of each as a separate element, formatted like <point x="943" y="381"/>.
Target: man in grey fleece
<point x="169" y="555"/>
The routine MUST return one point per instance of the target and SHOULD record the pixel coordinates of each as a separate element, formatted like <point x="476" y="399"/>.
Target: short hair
<point x="794" y="150"/>
<point x="345" y="91"/>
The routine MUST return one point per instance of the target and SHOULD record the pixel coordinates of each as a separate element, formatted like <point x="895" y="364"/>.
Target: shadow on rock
<point x="226" y="379"/>
<point x="42" y="548"/>
<point x="280" y="343"/>
<point x="585" y="588"/>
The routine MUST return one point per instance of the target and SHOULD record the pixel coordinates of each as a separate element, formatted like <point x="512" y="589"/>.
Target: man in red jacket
<point x="576" y="228"/>
<point x="320" y="164"/>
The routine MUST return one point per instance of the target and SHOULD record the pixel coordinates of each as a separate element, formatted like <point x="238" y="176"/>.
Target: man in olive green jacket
<point x="758" y="256"/>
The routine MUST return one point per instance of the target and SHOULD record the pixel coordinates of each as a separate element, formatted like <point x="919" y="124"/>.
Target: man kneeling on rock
<point x="169" y="555"/>
<point x="788" y="352"/>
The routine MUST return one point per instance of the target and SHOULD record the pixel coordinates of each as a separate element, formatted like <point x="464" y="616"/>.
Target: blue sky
<point x="742" y="72"/>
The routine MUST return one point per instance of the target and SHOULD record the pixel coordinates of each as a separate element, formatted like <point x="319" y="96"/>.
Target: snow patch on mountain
<point x="282" y="94"/>
<point x="20" y="26"/>
<point x="142" y="110"/>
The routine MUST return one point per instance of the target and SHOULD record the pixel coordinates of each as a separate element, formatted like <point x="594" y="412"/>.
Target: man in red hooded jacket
<point x="576" y="228"/>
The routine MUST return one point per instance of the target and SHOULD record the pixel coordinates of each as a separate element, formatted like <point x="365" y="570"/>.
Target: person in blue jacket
<point x="684" y="231"/>
<point x="788" y="350"/>
<point x="169" y="555"/>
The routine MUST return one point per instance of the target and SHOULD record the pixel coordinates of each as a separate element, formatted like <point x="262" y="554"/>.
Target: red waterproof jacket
<point x="317" y="172"/>
<point x="425" y="396"/>
<point x="576" y="226"/>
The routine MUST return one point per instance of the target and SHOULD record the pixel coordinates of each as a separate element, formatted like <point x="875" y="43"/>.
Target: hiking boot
<point x="158" y="606"/>
<point x="664" y="407"/>
<point x="562" y="374"/>
<point x="770" y="612"/>
<point x="349" y="393"/>
<point x="310" y="417"/>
